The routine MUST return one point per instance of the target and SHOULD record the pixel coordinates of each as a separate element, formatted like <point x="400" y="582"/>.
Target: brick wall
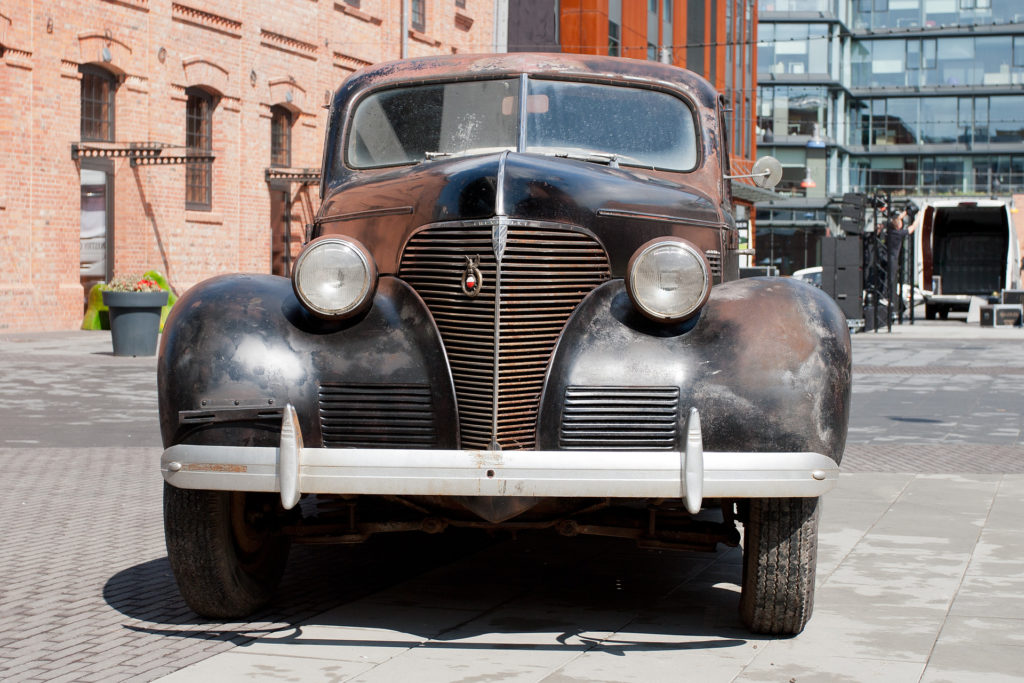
<point x="250" y="56"/>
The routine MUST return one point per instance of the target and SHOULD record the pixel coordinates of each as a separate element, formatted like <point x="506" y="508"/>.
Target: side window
<point x="98" y="88"/>
<point x="199" y="141"/>
<point x="280" y="137"/>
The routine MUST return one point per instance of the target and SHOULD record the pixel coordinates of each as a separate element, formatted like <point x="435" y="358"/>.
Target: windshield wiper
<point x="593" y="156"/>
<point x="469" y="151"/>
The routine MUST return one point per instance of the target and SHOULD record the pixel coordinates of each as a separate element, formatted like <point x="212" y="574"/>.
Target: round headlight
<point x="668" y="279"/>
<point x="335" y="277"/>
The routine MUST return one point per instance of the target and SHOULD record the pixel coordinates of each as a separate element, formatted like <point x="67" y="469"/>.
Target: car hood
<point x="622" y="207"/>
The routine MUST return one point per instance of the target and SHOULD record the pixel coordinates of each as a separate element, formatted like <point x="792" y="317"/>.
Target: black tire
<point x="930" y="312"/>
<point x="780" y="553"/>
<point x="224" y="548"/>
<point x="944" y="313"/>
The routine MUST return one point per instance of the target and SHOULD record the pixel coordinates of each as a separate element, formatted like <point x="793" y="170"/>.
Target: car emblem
<point x="472" y="280"/>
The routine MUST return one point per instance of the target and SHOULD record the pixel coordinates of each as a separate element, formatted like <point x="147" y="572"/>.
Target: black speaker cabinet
<point x="842" y="273"/>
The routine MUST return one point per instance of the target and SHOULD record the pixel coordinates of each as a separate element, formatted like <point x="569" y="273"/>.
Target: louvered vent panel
<point x="546" y="273"/>
<point x="715" y="261"/>
<point x="377" y="416"/>
<point x="620" y="418"/>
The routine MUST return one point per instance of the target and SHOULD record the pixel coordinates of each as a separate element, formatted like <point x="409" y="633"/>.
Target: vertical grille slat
<point x="546" y="271"/>
<point x="620" y="418"/>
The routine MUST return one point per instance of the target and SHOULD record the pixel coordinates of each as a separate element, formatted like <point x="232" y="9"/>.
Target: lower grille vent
<point x="377" y="416"/>
<point x="620" y="418"/>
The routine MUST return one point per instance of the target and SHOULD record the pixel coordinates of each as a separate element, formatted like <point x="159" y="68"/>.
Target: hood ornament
<point x="472" y="279"/>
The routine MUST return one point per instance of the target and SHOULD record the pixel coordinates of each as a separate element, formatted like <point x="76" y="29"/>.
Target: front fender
<point x="237" y="348"/>
<point x="767" y="364"/>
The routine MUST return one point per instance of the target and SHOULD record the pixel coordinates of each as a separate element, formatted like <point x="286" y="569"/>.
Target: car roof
<point x="554" y="65"/>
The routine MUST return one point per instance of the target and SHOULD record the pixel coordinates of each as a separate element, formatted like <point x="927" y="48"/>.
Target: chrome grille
<point x="715" y="261"/>
<point x="545" y="273"/>
<point x="620" y="418"/>
<point x="377" y="415"/>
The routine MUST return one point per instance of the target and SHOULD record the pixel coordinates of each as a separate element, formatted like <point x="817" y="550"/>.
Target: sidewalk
<point x="921" y="575"/>
<point x="952" y="329"/>
<point x="920" y="578"/>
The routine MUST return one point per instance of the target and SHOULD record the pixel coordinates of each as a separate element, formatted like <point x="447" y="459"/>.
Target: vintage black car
<point x="518" y="307"/>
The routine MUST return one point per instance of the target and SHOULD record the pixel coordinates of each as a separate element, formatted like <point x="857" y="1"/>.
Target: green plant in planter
<point x="133" y="284"/>
<point x="96" y="313"/>
<point x="135" y="305"/>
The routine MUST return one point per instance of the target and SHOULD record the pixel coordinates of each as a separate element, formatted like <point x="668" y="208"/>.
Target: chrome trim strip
<point x="369" y="213"/>
<point x="661" y="218"/>
<point x="499" y="186"/>
<point x="499" y="238"/>
<point x="523" y="85"/>
<point x="571" y="474"/>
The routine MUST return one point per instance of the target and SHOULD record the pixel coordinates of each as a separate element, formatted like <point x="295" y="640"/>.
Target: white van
<point x="965" y="249"/>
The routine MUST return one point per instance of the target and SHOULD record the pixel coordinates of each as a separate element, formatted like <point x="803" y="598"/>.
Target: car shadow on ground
<point x="463" y="587"/>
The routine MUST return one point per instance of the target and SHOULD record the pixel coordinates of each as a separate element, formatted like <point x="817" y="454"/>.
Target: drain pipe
<point x="405" y="28"/>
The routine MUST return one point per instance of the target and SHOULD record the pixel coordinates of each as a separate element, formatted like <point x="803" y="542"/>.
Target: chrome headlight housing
<point x="335" y="277"/>
<point x="668" y="279"/>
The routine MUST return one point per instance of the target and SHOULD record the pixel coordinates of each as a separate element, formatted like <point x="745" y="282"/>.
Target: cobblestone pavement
<point x="88" y="594"/>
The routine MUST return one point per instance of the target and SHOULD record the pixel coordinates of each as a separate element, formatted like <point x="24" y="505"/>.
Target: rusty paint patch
<point x="214" y="467"/>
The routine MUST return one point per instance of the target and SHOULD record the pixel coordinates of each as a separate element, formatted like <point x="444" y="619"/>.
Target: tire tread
<point x="779" y="561"/>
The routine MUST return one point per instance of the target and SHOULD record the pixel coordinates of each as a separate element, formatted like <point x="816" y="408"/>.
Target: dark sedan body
<point x="518" y="307"/>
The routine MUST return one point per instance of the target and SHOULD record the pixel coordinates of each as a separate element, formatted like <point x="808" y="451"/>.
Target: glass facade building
<point x="917" y="97"/>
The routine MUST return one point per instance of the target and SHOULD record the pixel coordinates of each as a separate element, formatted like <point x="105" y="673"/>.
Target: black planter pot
<point x="134" y="321"/>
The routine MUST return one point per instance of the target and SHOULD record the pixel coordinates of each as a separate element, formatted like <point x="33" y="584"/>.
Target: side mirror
<point x="766" y="172"/>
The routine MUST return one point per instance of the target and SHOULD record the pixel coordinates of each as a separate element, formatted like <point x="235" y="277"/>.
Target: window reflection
<point x="938" y="120"/>
<point x="789" y="248"/>
<point x="938" y="175"/>
<point x="793" y="48"/>
<point x="796" y="5"/>
<point x="982" y="60"/>
<point x="934" y="13"/>
<point x="792" y="110"/>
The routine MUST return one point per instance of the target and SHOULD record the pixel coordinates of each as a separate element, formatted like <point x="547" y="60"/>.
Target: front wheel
<point x="780" y="552"/>
<point x="225" y="549"/>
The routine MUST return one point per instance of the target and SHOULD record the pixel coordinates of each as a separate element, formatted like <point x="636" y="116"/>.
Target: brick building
<point x="138" y="134"/>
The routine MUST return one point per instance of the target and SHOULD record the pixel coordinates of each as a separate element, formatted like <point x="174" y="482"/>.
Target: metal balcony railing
<point x="938" y="183"/>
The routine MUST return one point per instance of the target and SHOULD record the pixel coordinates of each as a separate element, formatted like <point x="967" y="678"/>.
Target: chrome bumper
<point x="690" y="474"/>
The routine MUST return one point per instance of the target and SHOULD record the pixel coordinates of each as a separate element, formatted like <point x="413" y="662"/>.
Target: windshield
<point x="407" y="125"/>
<point x="603" y="123"/>
<point x="639" y="127"/>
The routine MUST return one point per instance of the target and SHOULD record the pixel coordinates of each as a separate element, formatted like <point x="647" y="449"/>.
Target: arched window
<point x="98" y="88"/>
<point x="199" y="141"/>
<point x="280" y="137"/>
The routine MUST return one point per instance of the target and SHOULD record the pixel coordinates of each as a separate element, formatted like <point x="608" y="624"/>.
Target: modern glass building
<point x="922" y="98"/>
